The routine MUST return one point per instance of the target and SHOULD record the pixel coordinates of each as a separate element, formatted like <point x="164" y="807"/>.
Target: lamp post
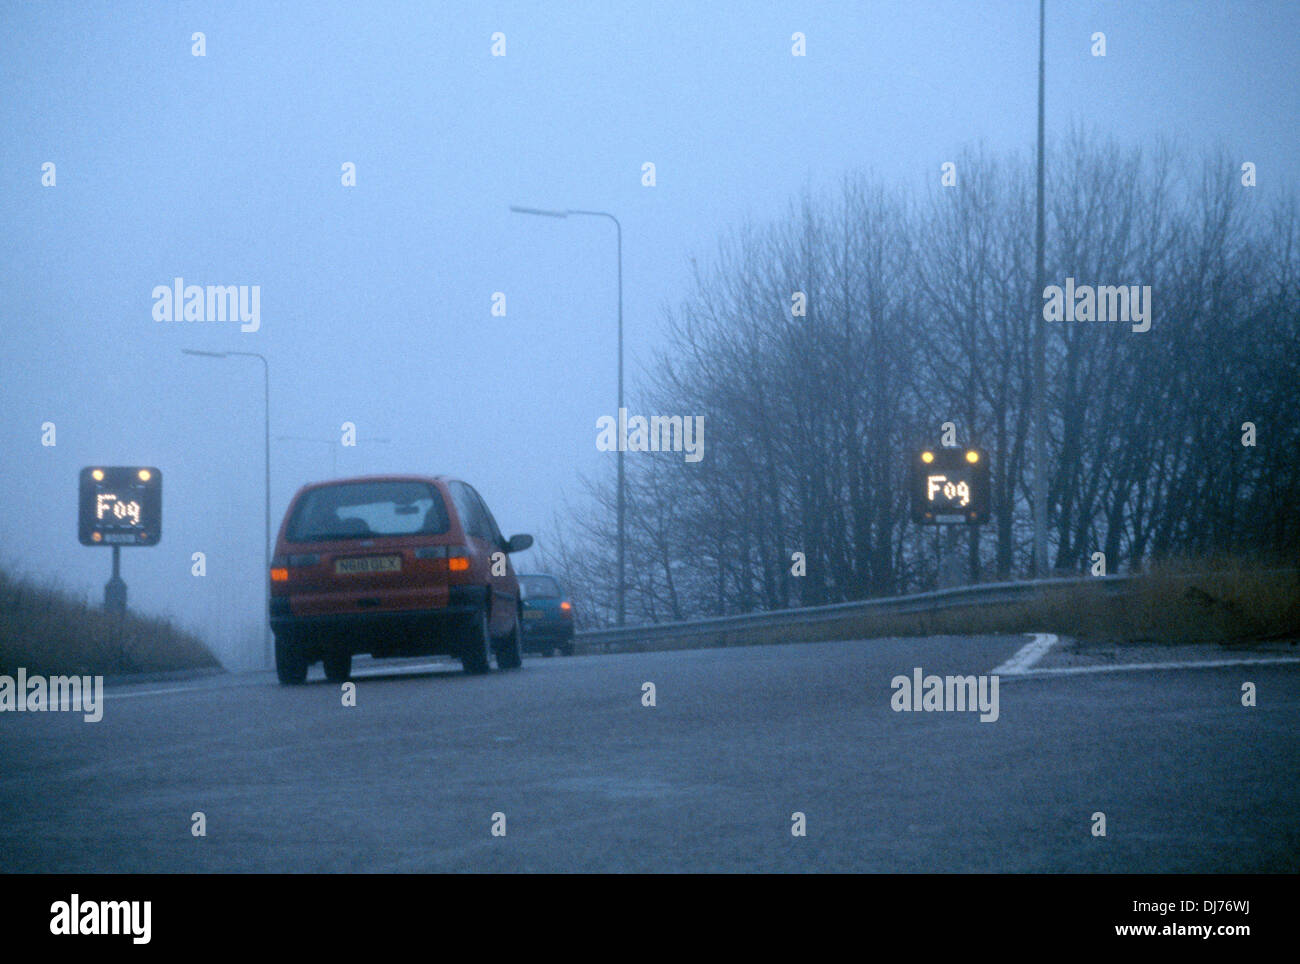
<point x="266" y="393"/>
<point x="1040" y="362"/>
<point x="622" y="503"/>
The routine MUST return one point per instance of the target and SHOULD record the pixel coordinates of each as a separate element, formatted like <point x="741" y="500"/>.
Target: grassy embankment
<point x="50" y="631"/>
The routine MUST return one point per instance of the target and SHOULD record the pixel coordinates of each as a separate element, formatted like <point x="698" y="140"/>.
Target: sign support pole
<point x="115" y="588"/>
<point x="951" y="569"/>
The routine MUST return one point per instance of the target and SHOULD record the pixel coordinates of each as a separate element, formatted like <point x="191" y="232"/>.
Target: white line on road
<point x="174" y="689"/>
<point x="372" y="672"/>
<point x="65" y="704"/>
<point x="1187" y="664"/>
<point x="1026" y="656"/>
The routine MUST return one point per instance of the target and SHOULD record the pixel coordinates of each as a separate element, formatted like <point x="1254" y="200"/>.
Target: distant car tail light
<point x="458" y="564"/>
<point x="279" y="574"/>
<point x="566" y="608"/>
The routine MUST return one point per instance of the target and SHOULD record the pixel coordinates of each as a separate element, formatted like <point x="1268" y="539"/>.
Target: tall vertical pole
<point x="622" y="507"/>
<point x="1040" y="364"/>
<point x="269" y="655"/>
<point x="622" y="498"/>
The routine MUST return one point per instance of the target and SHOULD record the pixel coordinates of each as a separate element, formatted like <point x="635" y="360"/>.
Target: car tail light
<point x="281" y="565"/>
<point x="566" y="608"/>
<point x="457" y="556"/>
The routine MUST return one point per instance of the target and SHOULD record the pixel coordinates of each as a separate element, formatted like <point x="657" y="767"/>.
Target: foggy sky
<point x="375" y="300"/>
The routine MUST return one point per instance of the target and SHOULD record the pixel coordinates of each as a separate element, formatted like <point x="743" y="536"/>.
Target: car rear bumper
<point x="463" y="601"/>
<point x="376" y="621"/>
<point x="559" y="632"/>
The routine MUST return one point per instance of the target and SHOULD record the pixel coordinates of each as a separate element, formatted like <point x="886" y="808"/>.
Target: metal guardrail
<point x="985" y="594"/>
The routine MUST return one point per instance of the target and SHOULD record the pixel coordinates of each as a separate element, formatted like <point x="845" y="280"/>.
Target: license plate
<point x="533" y="614"/>
<point x="359" y="565"/>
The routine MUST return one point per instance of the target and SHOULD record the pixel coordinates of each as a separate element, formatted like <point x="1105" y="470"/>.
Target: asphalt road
<point x="589" y="779"/>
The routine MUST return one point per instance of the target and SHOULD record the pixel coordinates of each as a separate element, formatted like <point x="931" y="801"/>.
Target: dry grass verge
<point x="50" y="631"/>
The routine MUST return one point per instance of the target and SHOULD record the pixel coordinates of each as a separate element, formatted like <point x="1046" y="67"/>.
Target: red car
<point x="392" y="565"/>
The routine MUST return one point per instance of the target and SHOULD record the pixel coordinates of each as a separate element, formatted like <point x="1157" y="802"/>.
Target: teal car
<point x="547" y="613"/>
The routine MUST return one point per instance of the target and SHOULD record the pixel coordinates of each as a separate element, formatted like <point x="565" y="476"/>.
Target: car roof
<point x="402" y="477"/>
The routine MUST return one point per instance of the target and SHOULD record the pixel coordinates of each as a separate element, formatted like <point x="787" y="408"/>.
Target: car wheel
<point x="338" y="666"/>
<point x="290" y="661"/>
<point x="476" y="647"/>
<point x="566" y="649"/>
<point x="510" y="652"/>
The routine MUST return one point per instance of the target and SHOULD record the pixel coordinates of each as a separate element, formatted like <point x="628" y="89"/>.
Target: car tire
<point x="476" y="646"/>
<point x="338" y="667"/>
<point x="290" y="661"/>
<point x="566" y="648"/>
<point x="510" y="647"/>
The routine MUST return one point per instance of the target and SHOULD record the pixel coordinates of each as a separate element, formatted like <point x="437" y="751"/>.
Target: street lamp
<point x="266" y="390"/>
<point x="622" y="542"/>
<point x="1040" y="362"/>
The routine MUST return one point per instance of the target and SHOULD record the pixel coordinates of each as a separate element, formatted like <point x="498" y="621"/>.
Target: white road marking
<point x="175" y="689"/>
<point x="379" y="672"/>
<point x="369" y="672"/>
<point x="1188" y="664"/>
<point x="1026" y="656"/>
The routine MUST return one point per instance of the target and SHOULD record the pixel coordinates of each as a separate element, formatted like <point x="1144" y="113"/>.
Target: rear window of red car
<point x="364" y="510"/>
